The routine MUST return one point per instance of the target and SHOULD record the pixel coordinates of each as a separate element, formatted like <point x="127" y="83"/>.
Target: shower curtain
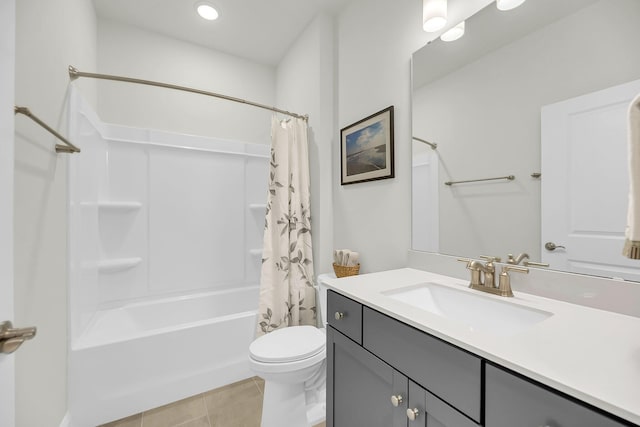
<point x="287" y="293"/>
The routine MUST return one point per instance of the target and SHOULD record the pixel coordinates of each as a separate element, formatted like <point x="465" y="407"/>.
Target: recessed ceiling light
<point x="207" y="11"/>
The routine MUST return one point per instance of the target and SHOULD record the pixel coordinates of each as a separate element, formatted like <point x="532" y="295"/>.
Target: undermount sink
<point x="476" y="311"/>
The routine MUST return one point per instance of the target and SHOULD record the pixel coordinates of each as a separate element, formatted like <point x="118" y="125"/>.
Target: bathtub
<point x="147" y="354"/>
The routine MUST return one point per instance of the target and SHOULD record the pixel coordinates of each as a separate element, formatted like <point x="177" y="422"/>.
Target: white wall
<point x="7" y="62"/>
<point x="127" y="51"/>
<point x="306" y="85"/>
<point x="50" y="35"/>
<point x="498" y="98"/>
<point x="376" y="39"/>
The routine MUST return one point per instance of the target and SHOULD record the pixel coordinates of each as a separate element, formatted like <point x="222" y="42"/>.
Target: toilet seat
<point x="286" y="345"/>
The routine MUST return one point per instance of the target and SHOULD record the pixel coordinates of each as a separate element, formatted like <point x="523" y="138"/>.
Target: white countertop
<point x="592" y="355"/>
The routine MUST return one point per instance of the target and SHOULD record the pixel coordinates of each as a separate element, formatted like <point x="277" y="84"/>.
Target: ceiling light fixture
<point x="508" y="4"/>
<point x="454" y="33"/>
<point x="434" y="15"/>
<point x="207" y="11"/>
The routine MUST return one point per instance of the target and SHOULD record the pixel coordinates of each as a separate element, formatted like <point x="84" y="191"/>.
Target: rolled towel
<point x="345" y="257"/>
<point x="632" y="232"/>
<point x="354" y="259"/>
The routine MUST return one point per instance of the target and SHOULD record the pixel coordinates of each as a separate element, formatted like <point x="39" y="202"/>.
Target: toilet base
<point x="316" y="413"/>
<point x="284" y="405"/>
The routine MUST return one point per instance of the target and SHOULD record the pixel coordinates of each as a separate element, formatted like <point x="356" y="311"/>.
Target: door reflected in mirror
<point x="482" y="99"/>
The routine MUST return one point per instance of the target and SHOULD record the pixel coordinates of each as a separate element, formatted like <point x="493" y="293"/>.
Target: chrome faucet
<point x="518" y="259"/>
<point x="524" y="259"/>
<point x="490" y="271"/>
<point x="477" y="269"/>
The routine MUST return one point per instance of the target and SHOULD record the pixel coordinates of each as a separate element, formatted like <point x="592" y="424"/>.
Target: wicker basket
<point x="344" y="271"/>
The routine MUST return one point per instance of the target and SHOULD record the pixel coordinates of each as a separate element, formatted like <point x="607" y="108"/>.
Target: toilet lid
<point x="288" y="344"/>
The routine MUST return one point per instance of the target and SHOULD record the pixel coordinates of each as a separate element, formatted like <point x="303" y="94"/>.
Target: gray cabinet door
<point x="513" y="401"/>
<point x="429" y="411"/>
<point x="360" y="387"/>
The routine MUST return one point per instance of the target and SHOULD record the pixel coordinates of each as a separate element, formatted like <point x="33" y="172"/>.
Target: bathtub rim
<point x="83" y="342"/>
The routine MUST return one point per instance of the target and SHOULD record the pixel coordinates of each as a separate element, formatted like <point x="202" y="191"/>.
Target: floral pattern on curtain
<point x="287" y="293"/>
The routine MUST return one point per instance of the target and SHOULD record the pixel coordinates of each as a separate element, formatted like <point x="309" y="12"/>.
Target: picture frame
<point x="366" y="149"/>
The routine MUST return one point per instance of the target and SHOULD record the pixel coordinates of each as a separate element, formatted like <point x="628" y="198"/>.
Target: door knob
<point x="550" y="246"/>
<point x="11" y="338"/>
<point x="339" y="315"/>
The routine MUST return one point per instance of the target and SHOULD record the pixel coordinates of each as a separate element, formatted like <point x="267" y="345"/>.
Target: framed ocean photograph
<point x="366" y="148"/>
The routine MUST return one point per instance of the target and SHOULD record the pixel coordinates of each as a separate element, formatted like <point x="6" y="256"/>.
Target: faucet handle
<point x="491" y="259"/>
<point x="515" y="268"/>
<point x="535" y="264"/>
<point x="504" y="283"/>
<point x="510" y="259"/>
<point x="476" y="271"/>
<point x="472" y="264"/>
<point x="467" y="260"/>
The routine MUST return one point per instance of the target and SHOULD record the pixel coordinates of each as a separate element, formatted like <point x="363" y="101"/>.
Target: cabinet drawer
<point x="449" y="373"/>
<point x="513" y="401"/>
<point x="345" y="315"/>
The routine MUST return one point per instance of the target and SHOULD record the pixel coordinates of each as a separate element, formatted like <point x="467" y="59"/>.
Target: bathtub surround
<point x="287" y="295"/>
<point x="163" y="281"/>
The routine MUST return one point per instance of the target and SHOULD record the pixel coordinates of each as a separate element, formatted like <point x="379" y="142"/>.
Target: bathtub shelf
<point x="258" y="206"/>
<point x="118" y="264"/>
<point x="119" y="206"/>
<point x="256" y="252"/>
<point x="114" y="206"/>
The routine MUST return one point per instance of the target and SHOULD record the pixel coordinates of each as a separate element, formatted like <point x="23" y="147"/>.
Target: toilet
<point x="292" y="362"/>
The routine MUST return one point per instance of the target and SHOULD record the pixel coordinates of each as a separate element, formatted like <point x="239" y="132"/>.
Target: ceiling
<point x="259" y="30"/>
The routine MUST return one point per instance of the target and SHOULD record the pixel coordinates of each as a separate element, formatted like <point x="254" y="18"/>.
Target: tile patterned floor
<point x="235" y="405"/>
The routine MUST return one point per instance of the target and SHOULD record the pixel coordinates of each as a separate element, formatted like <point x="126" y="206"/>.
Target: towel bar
<point x="509" y="177"/>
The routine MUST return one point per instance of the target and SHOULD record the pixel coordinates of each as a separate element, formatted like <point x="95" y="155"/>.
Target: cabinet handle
<point x="339" y="315"/>
<point x="412" y="414"/>
<point x="396" y="400"/>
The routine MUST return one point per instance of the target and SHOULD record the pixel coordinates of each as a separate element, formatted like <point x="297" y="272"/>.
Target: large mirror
<point x="538" y="94"/>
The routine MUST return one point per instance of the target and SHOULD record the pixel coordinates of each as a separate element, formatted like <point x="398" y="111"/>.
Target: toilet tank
<point x="322" y="297"/>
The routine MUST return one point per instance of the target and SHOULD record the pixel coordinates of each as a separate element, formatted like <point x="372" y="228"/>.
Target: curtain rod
<point x="68" y="148"/>
<point x="433" y="145"/>
<point x="74" y="73"/>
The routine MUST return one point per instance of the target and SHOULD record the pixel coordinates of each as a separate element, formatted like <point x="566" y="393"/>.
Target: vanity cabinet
<point x="368" y="371"/>
<point x="382" y="372"/>
<point x="365" y="391"/>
